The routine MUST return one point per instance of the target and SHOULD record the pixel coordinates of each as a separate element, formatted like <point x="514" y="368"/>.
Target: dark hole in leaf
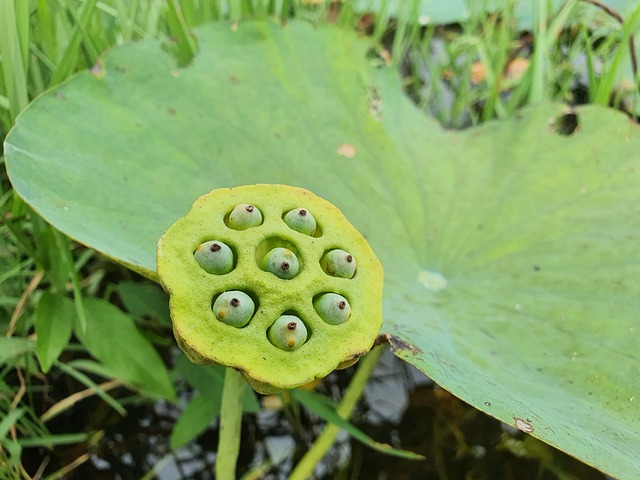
<point x="566" y="124"/>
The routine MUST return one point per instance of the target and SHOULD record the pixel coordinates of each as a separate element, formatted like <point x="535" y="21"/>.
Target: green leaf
<point x="71" y="370"/>
<point x="204" y="408"/>
<point x="14" y="346"/>
<point x="145" y="300"/>
<point x="324" y="408"/>
<point x="10" y="419"/>
<point x="14" y="449"/>
<point x="209" y="380"/>
<point x="510" y="252"/>
<point x="112" y="337"/>
<point x="50" y="441"/>
<point x="54" y="319"/>
<point x="199" y="413"/>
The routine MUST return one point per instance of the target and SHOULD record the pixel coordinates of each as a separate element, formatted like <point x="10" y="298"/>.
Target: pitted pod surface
<point x="271" y="280"/>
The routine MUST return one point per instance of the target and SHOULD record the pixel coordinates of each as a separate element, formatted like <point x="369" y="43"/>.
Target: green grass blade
<point x="185" y="42"/>
<point x="10" y="419"/>
<point x="13" y="58"/>
<point x="609" y="78"/>
<point x="49" y="441"/>
<point x="71" y="53"/>
<point x="87" y="382"/>
<point x="323" y="407"/>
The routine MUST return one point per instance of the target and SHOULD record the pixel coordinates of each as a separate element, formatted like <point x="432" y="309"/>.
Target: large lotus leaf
<point x="510" y="252"/>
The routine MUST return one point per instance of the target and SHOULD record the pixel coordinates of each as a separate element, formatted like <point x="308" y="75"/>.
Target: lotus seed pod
<point x="234" y="308"/>
<point x="332" y="308"/>
<point x="339" y="263"/>
<point x="301" y="221"/>
<point x="244" y="216"/>
<point x="250" y="348"/>
<point x="287" y="332"/>
<point x="214" y="257"/>
<point x="282" y="262"/>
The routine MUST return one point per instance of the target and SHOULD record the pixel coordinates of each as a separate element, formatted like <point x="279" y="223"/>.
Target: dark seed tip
<point x="249" y="208"/>
<point x="292" y="325"/>
<point x="349" y="258"/>
<point x="215" y="247"/>
<point x="302" y="212"/>
<point x="284" y="265"/>
<point x="342" y="304"/>
<point x="234" y="302"/>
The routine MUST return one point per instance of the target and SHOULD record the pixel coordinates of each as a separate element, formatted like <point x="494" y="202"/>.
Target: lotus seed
<point x="332" y="308"/>
<point x="301" y="221"/>
<point x="214" y="257"/>
<point x="234" y="308"/>
<point x="339" y="263"/>
<point x="282" y="262"/>
<point x="244" y="216"/>
<point x="287" y="332"/>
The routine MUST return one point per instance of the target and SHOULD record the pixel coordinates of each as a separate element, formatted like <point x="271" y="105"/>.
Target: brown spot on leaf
<point x="398" y="346"/>
<point x="346" y="150"/>
<point x="171" y="110"/>
<point x="523" y="425"/>
<point x="97" y="69"/>
<point x="380" y="339"/>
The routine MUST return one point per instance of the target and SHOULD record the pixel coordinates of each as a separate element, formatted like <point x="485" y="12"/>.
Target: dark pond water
<point x="401" y="407"/>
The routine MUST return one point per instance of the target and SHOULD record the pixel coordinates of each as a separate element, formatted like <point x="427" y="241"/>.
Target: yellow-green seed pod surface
<point x="249" y="347"/>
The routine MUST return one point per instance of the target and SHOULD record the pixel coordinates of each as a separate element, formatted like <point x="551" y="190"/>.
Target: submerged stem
<point x="352" y="394"/>
<point x="230" y="423"/>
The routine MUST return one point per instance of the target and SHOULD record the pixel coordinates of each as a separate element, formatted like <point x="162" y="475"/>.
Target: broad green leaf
<point x="324" y="408"/>
<point x="145" y="299"/>
<point x="54" y="319"/>
<point x="510" y="252"/>
<point x="112" y="337"/>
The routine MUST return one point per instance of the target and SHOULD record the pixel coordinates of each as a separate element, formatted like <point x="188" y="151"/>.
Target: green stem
<point x="352" y="394"/>
<point x="230" y="423"/>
